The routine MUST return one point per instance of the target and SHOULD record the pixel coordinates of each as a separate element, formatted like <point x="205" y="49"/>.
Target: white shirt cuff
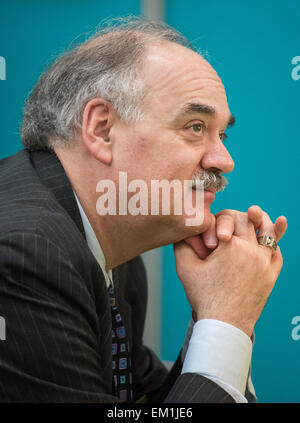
<point x="220" y="352"/>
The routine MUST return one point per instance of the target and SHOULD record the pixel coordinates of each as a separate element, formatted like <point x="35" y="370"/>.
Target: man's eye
<point x="197" y="127"/>
<point x="222" y="136"/>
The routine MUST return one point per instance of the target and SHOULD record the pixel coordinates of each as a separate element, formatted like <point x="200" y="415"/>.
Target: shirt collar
<point x="93" y="243"/>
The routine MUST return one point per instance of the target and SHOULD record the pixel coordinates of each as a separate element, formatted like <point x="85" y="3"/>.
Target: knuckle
<point x="225" y="219"/>
<point x="242" y="218"/>
<point x="226" y="212"/>
<point x="266" y="218"/>
<point x="242" y="215"/>
<point x="280" y="262"/>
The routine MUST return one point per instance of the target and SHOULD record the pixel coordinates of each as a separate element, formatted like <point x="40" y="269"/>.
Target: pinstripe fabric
<point x="193" y="388"/>
<point x="54" y="299"/>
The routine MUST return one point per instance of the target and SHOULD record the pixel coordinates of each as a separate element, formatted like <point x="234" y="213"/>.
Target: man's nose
<point x="217" y="156"/>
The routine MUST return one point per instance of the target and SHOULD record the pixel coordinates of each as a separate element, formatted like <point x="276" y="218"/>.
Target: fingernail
<point x="211" y="241"/>
<point x="223" y="234"/>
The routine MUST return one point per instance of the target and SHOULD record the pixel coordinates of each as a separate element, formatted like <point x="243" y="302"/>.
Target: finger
<point x="198" y="246"/>
<point x="183" y="254"/>
<point x="280" y="227"/>
<point x="182" y="249"/>
<point x="266" y="227"/>
<point x="224" y="227"/>
<point x="255" y="214"/>
<point x="243" y="227"/>
<point x="209" y="237"/>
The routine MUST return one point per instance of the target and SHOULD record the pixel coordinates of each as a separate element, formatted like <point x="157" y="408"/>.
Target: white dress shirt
<point x="212" y="348"/>
<point x="94" y="244"/>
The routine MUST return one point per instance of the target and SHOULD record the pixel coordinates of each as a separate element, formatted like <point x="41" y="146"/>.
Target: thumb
<point x="185" y="255"/>
<point x="197" y="243"/>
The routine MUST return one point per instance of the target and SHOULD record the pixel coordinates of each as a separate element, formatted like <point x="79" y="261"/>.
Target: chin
<point x="205" y="224"/>
<point x="177" y="229"/>
<point x="205" y="221"/>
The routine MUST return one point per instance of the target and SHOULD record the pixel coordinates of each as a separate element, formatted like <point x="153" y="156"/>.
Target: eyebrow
<point x="192" y="108"/>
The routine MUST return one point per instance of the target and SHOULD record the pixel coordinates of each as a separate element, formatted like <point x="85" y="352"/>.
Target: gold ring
<point x="267" y="241"/>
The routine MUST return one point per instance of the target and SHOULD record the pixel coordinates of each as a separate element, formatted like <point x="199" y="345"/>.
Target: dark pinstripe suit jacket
<point x="54" y="299"/>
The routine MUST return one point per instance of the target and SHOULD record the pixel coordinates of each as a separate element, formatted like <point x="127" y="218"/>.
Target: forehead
<point x="175" y="76"/>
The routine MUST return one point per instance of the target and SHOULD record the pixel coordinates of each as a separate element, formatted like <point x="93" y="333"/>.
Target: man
<point x="133" y="99"/>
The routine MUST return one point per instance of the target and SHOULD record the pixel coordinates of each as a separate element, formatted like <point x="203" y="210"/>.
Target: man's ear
<point x="98" y="117"/>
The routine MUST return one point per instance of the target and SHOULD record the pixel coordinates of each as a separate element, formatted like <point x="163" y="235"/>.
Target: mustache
<point x="210" y="179"/>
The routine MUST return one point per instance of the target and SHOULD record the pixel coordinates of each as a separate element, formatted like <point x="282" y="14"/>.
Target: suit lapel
<point x="53" y="175"/>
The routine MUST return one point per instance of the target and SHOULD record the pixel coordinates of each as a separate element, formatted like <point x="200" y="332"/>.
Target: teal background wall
<point x="32" y="33"/>
<point x="251" y="45"/>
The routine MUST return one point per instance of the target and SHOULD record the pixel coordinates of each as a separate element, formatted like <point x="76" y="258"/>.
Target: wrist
<point x="245" y="327"/>
<point x="220" y="351"/>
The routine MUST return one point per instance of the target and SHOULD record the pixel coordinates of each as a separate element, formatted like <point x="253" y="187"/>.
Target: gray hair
<point x="107" y="65"/>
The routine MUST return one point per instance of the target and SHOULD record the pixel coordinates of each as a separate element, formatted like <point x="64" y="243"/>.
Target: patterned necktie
<point x="121" y="361"/>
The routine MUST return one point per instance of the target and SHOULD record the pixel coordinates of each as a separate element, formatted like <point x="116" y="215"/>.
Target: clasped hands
<point x="226" y="274"/>
<point x="227" y="223"/>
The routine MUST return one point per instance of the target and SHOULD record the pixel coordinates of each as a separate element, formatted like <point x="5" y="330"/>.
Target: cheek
<point x="154" y="155"/>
